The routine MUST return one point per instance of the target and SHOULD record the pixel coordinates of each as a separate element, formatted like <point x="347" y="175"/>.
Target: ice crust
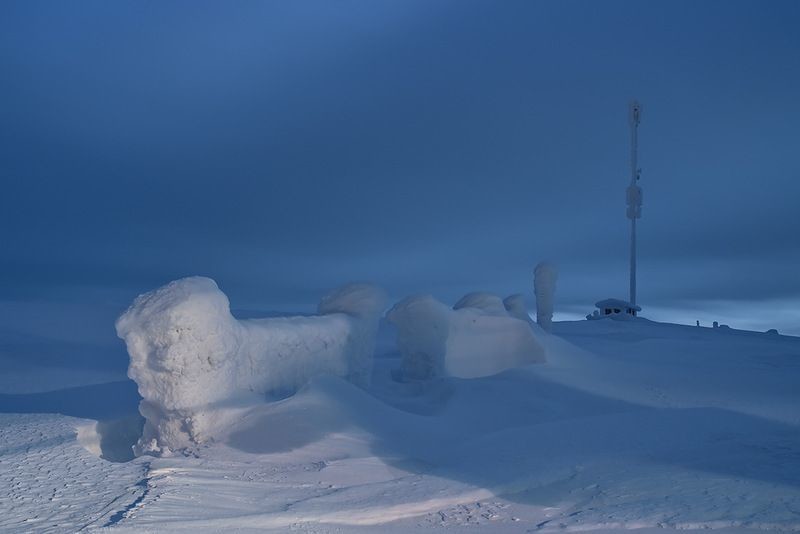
<point x="194" y="363"/>
<point x="479" y="337"/>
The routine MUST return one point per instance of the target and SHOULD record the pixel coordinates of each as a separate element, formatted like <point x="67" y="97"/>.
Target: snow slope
<point x="628" y="425"/>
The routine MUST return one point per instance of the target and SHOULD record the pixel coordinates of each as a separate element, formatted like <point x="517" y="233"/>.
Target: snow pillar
<point x="544" y="287"/>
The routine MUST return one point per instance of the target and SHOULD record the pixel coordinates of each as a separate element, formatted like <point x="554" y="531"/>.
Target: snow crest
<point x="480" y="337"/>
<point x="195" y="364"/>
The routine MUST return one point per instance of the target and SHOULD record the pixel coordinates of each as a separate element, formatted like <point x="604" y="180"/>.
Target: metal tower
<point x="634" y="193"/>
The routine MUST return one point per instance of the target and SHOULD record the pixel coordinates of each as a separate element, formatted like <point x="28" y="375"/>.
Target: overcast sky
<point x="284" y="148"/>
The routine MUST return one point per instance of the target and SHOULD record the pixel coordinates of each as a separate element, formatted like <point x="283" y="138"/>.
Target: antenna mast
<point x="634" y="193"/>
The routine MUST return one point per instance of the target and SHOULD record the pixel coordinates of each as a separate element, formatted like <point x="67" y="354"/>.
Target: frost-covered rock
<point x="466" y="342"/>
<point x="194" y="362"/>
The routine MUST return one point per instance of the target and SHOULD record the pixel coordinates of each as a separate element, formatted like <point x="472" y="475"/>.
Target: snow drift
<point x="480" y="337"/>
<point x="194" y="362"/>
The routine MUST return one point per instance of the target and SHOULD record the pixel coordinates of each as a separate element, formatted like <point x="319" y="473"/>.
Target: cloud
<point x="283" y="150"/>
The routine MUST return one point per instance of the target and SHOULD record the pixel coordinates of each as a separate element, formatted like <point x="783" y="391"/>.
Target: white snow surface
<point x="476" y="338"/>
<point x="52" y="479"/>
<point x="629" y="425"/>
<point x="196" y="365"/>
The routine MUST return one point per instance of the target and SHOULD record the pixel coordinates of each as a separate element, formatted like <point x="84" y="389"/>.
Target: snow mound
<point x="196" y="365"/>
<point x="477" y="338"/>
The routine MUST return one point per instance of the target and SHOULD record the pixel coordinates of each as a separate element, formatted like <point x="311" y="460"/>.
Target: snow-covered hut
<point x="616" y="307"/>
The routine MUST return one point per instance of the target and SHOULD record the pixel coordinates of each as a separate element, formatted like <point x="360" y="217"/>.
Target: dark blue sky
<point x="283" y="148"/>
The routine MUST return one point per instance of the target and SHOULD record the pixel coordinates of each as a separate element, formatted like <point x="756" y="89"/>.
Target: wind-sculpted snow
<point x="486" y="302"/>
<point x="544" y="286"/>
<point x="515" y="306"/>
<point x="51" y="482"/>
<point x="196" y="365"/>
<point x="635" y="425"/>
<point x="477" y="338"/>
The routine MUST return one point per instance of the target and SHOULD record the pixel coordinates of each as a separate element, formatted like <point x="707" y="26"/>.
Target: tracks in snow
<point x="50" y="483"/>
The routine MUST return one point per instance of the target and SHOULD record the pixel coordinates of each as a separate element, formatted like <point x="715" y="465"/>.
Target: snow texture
<point x="630" y="426"/>
<point x="52" y="479"/>
<point x="658" y="429"/>
<point x="544" y="286"/>
<point x="196" y="365"/>
<point x="477" y="338"/>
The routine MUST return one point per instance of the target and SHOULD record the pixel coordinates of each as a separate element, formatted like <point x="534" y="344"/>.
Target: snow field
<point x="513" y="452"/>
<point x="629" y="425"/>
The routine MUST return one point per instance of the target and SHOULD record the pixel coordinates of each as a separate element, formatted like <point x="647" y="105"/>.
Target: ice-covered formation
<point x="194" y="362"/>
<point x="544" y="286"/>
<point x="515" y="306"/>
<point x="467" y="342"/>
<point x="486" y="302"/>
<point x="423" y="327"/>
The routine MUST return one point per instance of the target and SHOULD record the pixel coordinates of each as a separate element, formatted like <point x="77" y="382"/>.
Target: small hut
<point x="616" y="307"/>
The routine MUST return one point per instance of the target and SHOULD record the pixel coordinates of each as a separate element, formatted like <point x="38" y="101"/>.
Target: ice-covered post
<point x="544" y="286"/>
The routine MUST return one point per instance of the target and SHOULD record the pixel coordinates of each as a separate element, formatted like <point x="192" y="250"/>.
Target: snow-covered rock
<point x="194" y="363"/>
<point x="466" y="342"/>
